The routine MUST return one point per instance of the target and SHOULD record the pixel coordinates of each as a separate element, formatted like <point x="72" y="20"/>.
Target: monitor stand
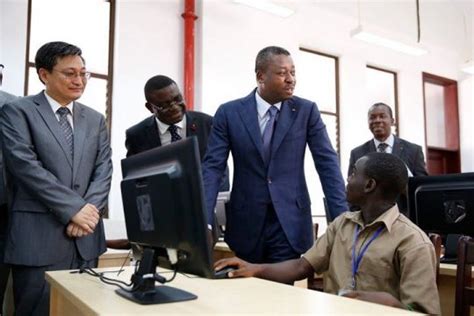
<point x="144" y="290"/>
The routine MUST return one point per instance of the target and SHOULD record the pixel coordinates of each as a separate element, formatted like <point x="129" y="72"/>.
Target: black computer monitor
<point x="163" y="202"/>
<point x="443" y="204"/>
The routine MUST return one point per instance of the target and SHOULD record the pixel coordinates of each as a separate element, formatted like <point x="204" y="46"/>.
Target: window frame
<point x="337" y="101"/>
<point x="395" y="93"/>
<point x="110" y="69"/>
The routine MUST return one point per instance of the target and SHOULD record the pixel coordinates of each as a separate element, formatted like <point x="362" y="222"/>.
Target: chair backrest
<point x="464" y="289"/>
<point x="436" y="240"/>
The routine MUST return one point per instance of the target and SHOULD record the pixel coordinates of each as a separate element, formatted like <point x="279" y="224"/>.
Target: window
<point x="382" y="87"/>
<point x="318" y="81"/>
<point x="88" y="24"/>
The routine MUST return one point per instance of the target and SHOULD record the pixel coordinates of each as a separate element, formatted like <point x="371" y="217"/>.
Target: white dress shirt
<point x="55" y="106"/>
<point x="262" y="110"/>
<point x="165" y="135"/>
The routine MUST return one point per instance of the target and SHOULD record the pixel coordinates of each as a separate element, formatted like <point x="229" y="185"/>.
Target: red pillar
<point x="189" y="17"/>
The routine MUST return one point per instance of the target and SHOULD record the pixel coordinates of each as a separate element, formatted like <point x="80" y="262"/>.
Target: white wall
<point x="149" y="40"/>
<point x="13" y="16"/>
<point x="466" y="110"/>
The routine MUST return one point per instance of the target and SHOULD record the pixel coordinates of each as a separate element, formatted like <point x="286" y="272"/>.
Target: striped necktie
<point x="66" y="128"/>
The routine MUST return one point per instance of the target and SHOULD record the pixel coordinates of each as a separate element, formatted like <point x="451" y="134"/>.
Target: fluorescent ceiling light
<point x="267" y="6"/>
<point x="468" y="67"/>
<point x="370" y="37"/>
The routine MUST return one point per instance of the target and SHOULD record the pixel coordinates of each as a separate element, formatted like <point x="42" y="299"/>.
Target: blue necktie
<point x="66" y="128"/>
<point x="174" y="133"/>
<point x="268" y="132"/>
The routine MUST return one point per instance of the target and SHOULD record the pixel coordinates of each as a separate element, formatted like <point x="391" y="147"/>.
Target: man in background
<point x="4" y="268"/>
<point x="267" y="132"/>
<point x="170" y="121"/>
<point x="380" y="120"/>
<point x="375" y="254"/>
<point x="58" y="167"/>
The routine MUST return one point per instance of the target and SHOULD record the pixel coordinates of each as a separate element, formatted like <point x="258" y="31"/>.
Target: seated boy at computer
<point x="376" y="254"/>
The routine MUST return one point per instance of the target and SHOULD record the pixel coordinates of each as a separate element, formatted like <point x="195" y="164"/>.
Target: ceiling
<point x="447" y="24"/>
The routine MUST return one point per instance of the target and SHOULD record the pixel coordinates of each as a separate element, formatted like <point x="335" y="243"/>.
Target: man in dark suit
<point x="58" y="166"/>
<point x="380" y="119"/>
<point x="4" y="268"/>
<point x="267" y="132"/>
<point x="170" y="121"/>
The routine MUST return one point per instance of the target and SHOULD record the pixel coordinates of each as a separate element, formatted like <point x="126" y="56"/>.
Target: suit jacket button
<point x="76" y="186"/>
<point x="269" y="180"/>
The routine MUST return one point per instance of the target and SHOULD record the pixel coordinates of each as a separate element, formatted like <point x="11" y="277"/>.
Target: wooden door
<point x="441" y="124"/>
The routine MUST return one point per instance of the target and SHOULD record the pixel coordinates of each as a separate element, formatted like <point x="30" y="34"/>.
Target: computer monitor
<point x="163" y="202"/>
<point x="442" y="204"/>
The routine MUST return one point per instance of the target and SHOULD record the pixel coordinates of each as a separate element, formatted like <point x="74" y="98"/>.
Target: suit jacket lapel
<point x="288" y="112"/>
<point x="371" y="146"/>
<point x="153" y="137"/>
<point x="44" y="109"/>
<point x="248" y="114"/>
<point x="397" y="147"/>
<point x="80" y="128"/>
<point x="191" y="125"/>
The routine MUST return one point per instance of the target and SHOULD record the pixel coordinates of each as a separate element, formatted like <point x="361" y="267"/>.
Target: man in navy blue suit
<point x="269" y="219"/>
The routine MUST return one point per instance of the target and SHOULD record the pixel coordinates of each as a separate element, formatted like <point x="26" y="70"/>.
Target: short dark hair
<point x="48" y="54"/>
<point x="382" y="104"/>
<point x="264" y="55"/>
<point x="389" y="171"/>
<point x="156" y="83"/>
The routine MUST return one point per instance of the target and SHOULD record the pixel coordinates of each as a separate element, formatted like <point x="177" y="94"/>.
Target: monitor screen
<point x="443" y="204"/>
<point x="163" y="202"/>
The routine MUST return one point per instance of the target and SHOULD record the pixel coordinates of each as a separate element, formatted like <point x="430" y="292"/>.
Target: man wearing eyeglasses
<point x="58" y="169"/>
<point x="170" y="121"/>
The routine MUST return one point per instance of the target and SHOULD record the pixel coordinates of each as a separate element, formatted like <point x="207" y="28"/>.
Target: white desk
<point x="81" y="294"/>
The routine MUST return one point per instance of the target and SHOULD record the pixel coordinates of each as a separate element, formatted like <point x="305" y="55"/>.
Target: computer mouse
<point x="223" y="273"/>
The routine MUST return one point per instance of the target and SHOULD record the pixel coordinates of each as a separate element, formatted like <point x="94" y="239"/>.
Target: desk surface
<point x="236" y="296"/>
<point x="450" y="269"/>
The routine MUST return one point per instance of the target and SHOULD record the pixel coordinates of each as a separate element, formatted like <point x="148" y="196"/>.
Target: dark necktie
<point x="268" y="132"/>
<point x="174" y="133"/>
<point x="382" y="147"/>
<point x="66" y="128"/>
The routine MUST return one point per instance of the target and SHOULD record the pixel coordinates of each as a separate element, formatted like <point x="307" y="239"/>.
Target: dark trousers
<point x="4" y="272"/>
<point x="272" y="246"/>
<point x="4" y="268"/>
<point x="30" y="288"/>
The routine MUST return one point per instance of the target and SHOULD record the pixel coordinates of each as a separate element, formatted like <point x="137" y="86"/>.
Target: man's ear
<point x="370" y="185"/>
<point x="260" y="77"/>
<point x="149" y="107"/>
<point x="43" y="75"/>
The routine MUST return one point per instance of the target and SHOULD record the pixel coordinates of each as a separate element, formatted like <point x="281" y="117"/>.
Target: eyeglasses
<point x="165" y="106"/>
<point x="70" y="75"/>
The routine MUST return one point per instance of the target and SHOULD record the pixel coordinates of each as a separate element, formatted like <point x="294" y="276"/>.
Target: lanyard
<point x="357" y="259"/>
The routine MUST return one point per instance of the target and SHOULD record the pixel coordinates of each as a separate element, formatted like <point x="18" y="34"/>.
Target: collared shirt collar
<point x="55" y="104"/>
<point x="389" y="141"/>
<point x="388" y="217"/>
<point x="263" y="106"/>
<point x="163" y="128"/>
